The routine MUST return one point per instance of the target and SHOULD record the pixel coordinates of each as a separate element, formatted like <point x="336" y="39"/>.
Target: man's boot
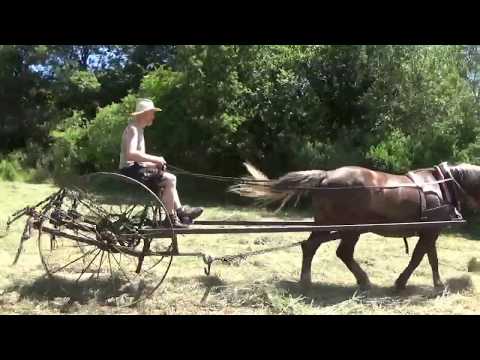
<point x="172" y="220"/>
<point x="187" y="214"/>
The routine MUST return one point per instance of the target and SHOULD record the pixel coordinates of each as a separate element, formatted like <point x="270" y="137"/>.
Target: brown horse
<point x="356" y="195"/>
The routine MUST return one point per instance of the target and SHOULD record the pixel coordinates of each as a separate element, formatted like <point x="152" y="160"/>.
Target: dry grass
<point x="265" y="284"/>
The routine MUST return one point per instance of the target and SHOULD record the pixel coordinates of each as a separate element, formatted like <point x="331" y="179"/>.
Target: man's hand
<point x="161" y="162"/>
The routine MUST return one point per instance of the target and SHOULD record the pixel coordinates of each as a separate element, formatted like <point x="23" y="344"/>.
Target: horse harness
<point x="447" y="193"/>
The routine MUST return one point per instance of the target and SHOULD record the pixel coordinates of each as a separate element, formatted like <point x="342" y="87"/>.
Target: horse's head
<point x="467" y="179"/>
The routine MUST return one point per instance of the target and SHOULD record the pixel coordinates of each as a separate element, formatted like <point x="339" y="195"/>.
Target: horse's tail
<point x="281" y="189"/>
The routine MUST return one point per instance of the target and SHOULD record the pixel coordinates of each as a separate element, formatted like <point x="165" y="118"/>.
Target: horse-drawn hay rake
<point x="87" y="232"/>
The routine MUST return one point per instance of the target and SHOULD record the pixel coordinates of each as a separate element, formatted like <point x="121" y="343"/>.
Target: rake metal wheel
<point x="98" y="244"/>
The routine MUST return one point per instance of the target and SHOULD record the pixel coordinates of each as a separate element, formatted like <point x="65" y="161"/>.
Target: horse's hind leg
<point x="424" y="244"/>
<point x="309" y="248"/>
<point x="345" y="252"/>
<point x="433" y="260"/>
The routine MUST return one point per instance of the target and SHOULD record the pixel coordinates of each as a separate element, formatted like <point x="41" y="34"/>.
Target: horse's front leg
<point x="433" y="260"/>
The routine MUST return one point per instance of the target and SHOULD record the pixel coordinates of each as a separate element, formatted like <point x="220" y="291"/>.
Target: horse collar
<point x="449" y="188"/>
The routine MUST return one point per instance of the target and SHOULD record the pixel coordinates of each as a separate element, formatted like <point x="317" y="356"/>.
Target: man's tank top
<point x="123" y="149"/>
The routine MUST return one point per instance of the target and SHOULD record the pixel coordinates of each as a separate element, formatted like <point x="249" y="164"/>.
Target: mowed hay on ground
<point x="264" y="284"/>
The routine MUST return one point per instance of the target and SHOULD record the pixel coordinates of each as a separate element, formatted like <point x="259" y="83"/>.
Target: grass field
<point x="264" y="284"/>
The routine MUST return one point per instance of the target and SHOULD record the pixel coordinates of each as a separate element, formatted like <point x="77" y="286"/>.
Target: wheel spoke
<point x="77" y="246"/>
<point x="100" y="266"/>
<point x="120" y="267"/>
<point x="71" y="262"/>
<point x="111" y="271"/>
<point x="87" y="267"/>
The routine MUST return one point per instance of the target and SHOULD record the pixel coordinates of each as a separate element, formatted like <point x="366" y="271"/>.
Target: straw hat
<point x="144" y="105"/>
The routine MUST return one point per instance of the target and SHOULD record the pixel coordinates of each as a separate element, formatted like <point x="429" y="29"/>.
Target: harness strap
<point x="450" y="188"/>
<point x="421" y="193"/>
<point x="445" y="192"/>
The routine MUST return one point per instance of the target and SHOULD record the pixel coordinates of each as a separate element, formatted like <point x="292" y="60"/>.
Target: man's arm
<point x="133" y="154"/>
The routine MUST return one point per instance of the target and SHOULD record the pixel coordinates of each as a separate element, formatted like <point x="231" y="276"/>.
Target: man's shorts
<point x="150" y="177"/>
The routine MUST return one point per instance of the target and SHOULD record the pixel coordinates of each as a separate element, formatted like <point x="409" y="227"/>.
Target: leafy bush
<point x="9" y="170"/>
<point x="68" y="151"/>
<point x="392" y="154"/>
<point x="13" y="167"/>
<point x="104" y="133"/>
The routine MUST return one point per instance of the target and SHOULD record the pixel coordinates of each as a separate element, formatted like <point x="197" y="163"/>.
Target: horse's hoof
<point x="399" y="286"/>
<point x="305" y="284"/>
<point x="439" y="286"/>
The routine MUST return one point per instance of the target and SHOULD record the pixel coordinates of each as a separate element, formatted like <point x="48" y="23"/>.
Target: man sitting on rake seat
<point x="151" y="170"/>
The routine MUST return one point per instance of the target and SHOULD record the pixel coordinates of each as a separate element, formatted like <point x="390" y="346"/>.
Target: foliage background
<point x="284" y="108"/>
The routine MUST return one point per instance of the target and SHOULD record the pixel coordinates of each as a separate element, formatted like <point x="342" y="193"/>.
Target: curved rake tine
<point x="89" y="207"/>
<point x="129" y="211"/>
<point x="88" y="266"/>
<point x="129" y="258"/>
<point x="110" y="211"/>
<point x="124" y="209"/>
<point x="159" y="261"/>
<point x="39" y="239"/>
<point x="154" y="265"/>
<point x="95" y="211"/>
<point x="156" y="287"/>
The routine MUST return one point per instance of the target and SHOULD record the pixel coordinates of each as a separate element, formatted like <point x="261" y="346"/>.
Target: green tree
<point x="25" y="98"/>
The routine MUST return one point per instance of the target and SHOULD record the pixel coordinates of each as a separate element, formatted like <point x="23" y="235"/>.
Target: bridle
<point x="445" y="171"/>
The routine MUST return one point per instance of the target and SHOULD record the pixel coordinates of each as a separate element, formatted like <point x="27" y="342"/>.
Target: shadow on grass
<point x="209" y="282"/>
<point x="102" y="291"/>
<point x="328" y="294"/>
